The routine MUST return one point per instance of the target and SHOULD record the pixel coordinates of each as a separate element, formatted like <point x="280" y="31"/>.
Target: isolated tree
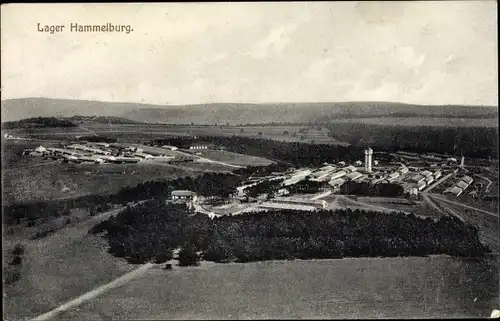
<point x="163" y="257"/>
<point x="16" y="260"/>
<point x="188" y="256"/>
<point x="18" y="249"/>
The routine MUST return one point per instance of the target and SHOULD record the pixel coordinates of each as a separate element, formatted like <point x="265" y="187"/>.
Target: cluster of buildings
<point x="459" y="187"/>
<point x="9" y="136"/>
<point x="413" y="179"/>
<point x="421" y="180"/>
<point x="98" y="153"/>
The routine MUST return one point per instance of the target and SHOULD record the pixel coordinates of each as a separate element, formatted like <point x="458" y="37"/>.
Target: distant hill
<point x="38" y="122"/>
<point x="236" y="113"/>
<point x="103" y="119"/>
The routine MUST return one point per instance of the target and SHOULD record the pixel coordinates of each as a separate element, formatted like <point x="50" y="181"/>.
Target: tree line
<point x="39" y="122"/>
<point x="370" y="189"/>
<point x="475" y="142"/>
<point x="208" y="184"/>
<point x="293" y="153"/>
<point x="306" y="187"/>
<point x="150" y="232"/>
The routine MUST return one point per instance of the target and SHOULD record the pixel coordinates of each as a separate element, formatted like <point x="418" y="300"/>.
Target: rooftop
<point x="183" y="193"/>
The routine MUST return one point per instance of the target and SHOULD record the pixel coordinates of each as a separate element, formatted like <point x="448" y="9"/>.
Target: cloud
<point x="417" y="52"/>
<point x="274" y="43"/>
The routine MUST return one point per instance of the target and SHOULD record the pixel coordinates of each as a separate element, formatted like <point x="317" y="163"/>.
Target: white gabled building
<point x="337" y="182"/>
<point x="463" y="185"/>
<point x="354" y="176"/>
<point x="426" y="173"/>
<point x="338" y="174"/>
<point x="455" y="190"/>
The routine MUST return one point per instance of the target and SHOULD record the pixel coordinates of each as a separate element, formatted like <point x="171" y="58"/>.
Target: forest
<point x="97" y="139"/>
<point x="293" y="153"/>
<point x="38" y="122"/>
<point x="151" y="231"/>
<point x="265" y="187"/>
<point x="369" y="189"/>
<point x="307" y="187"/>
<point x="475" y="142"/>
<point x="208" y="184"/>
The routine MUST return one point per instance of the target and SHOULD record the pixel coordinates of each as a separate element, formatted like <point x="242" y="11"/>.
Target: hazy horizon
<point x="425" y="53"/>
<point x="255" y="103"/>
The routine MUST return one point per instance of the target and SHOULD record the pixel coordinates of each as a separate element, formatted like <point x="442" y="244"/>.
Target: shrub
<point x="18" y="249"/>
<point x="188" y="256"/>
<point x="17" y="260"/>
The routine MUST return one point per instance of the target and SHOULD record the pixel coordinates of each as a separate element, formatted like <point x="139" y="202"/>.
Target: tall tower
<point x="368" y="160"/>
<point x="462" y="162"/>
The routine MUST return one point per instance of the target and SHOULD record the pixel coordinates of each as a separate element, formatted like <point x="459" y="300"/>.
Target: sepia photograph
<point x="250" y="160"/>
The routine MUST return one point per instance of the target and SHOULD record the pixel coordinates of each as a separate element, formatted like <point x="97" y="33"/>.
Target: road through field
<point x="369" y="206"/>
<point x="464" y="205"/>
<point x="94" y="293"/>
<point x="61" y="267"/>
<point x="487" y="189"/>
<point x="429" y="202"/>
<point x="444" y="208"/>
<point x="29" y="166"/>
<point x="209" y="160"/>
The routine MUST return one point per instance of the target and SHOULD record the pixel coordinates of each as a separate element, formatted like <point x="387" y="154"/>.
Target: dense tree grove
<point x="265" y="187"/>
<point x="38" y="122"/>
<point x="98" y="139"/>
<point x="297" y="154"/>
<point x="153" y="230"/>
<point x="370" y="189"/>
<point x="262" y="171"/>
<point x="209" y="184"/>
<point x="307" y="187"/>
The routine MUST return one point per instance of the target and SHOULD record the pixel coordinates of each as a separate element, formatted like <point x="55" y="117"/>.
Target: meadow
<point x="431" y="287"/>
<point x="419" y="121"/>
<point x="487" y="224"/>
<point x="59" y="181"/>
<point x="57" y="268"/>
<point x="235" y="158"/>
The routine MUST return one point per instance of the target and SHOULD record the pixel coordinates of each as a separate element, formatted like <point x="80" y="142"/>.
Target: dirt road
<point x="96" y="292"/>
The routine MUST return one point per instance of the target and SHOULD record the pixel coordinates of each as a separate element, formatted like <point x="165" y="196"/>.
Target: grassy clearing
<point x="487" y="224"/>
<point x="72" y="180"/>
<point x="296" y="133"/>
<point x="393" y="204"/>
<point x="58" y="268"/>
<point x="349" y="288"/>
<point x="419" y="121"/>
<point x="235" y="158"/>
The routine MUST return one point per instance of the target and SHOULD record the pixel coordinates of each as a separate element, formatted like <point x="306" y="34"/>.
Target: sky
<point x="181" y="53"/>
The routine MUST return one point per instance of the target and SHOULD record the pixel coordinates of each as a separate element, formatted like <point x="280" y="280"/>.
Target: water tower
<point x="368" y="160"/>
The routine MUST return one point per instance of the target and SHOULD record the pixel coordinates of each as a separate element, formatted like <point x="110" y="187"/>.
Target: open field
<point x="29" y="178"/>
<point x="436" y="286"/>
<point x="227" y="208"/>
<point x="140" y="132"/>
<point x="419" y="121"/>
<point x="12" y="150"/>
<point x="58" y="180"/>
<point x="390" y="203"/>
<point x="487" y="224"/>
<point x="59" y="267"/>
<point x="235" y="158"/>
<point x="55" y="131"/>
